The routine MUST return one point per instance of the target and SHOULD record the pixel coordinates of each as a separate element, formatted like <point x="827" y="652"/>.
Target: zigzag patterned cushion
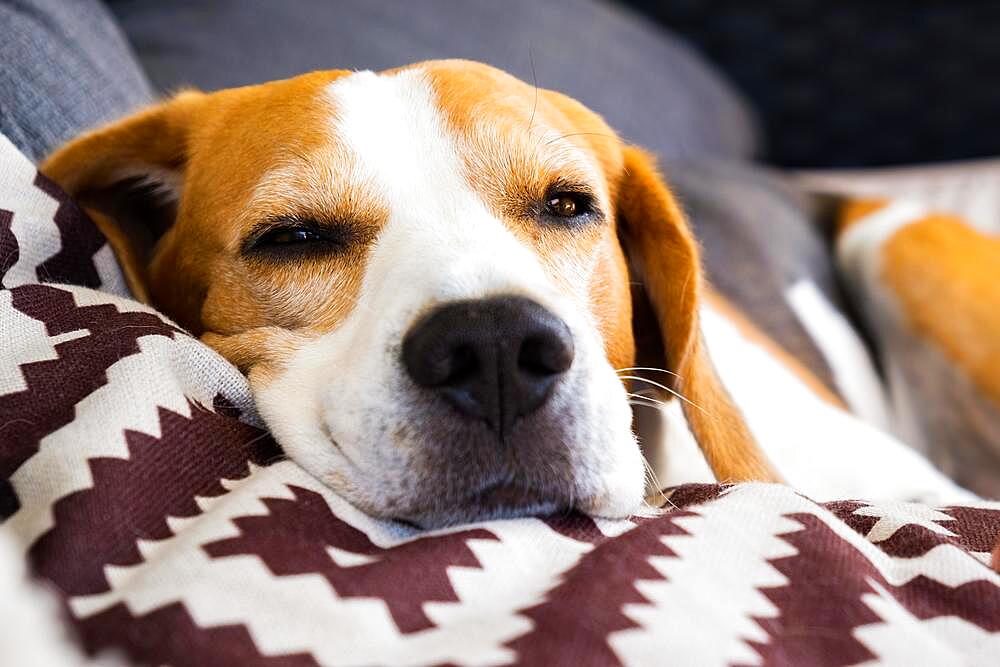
<point x="139" y="484"/>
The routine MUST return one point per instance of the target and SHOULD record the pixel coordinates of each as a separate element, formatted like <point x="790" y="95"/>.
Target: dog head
<point x="426" y="274"/>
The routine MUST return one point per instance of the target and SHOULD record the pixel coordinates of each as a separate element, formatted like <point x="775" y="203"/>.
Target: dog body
<point x="428" y="275"/>
<point x="816" y="443"/>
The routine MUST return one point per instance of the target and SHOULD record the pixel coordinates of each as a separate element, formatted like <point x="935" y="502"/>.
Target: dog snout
<point x="493" y="359"/>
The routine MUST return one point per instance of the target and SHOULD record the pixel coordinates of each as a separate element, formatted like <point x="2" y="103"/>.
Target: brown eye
<point x="563" y="206"/>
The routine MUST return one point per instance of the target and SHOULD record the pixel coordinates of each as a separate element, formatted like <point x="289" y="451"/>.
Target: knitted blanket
<point x="138" y="485"/>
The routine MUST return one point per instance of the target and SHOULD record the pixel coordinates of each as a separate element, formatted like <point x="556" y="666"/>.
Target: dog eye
<point x="568" y="205"/>
<point x="287" y="236"/>
<point x="282" y="238"/>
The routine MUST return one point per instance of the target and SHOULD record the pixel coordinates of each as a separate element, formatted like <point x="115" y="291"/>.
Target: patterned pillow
<point x="140" y="486"/>
<point x="928" y="286"/>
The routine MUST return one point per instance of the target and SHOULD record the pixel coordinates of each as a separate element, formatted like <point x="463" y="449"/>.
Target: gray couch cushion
<point x="64" y="67"/>
<point x="647" y="83"/>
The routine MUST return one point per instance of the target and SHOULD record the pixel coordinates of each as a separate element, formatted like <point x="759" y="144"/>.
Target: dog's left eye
<point x="568" y="205"/>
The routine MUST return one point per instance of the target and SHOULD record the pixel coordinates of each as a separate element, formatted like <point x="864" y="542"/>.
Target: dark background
<point x="854" y="82"/>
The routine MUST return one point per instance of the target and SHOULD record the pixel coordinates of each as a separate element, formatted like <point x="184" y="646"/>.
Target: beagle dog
<point x="438" y="279"/>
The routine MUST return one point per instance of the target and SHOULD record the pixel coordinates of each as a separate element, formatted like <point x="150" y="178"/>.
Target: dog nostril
<point x="545" y="355"/>
<point x="464" y="365"/>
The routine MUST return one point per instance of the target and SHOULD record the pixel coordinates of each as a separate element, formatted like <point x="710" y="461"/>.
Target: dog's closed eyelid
<point x="293" y="236"/>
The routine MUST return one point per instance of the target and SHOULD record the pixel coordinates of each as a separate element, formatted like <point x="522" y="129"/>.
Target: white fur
<point x="337" y="404"/>
<point x="843" y="351"/>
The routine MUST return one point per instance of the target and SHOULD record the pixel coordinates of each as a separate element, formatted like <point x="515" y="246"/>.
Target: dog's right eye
<point x="296" y="237"/>
<point x="287" y="236"/>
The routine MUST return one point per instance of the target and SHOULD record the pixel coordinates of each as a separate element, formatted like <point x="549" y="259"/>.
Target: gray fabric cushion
<point x="64" y="67"/>
<point x="646" y="82"/>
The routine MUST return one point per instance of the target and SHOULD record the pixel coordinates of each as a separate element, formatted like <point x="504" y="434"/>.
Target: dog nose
<point x="494" y="359"/>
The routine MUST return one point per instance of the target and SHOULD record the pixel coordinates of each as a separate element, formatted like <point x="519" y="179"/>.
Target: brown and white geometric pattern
<point x="137" y="482"/>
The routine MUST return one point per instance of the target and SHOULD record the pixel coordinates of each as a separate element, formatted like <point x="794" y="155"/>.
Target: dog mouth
<point x="497" y="500"/>
<point x="505" y="494"/>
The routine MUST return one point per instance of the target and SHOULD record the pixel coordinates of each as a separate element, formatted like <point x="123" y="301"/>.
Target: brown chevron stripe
<point x="911" y="540"/>
<point x="98" y="526"/>
<point x="80" y="239"/>
<point x="169" y="636"/>
<point x="822" y="603"/>
<point x="691" y="495"/>
<point x="292" y="539"/>
<point x="9" y="250"/>
<point x="576" y="526"/>
<point x="55" y="386"/>
<point x="572" y="624"/>
<point x="845" y="511"/>
<point x="978" y="528"/>
<point x="975" y="529"/>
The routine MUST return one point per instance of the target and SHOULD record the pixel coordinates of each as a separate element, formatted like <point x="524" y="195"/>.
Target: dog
<point x="441" y="283"/>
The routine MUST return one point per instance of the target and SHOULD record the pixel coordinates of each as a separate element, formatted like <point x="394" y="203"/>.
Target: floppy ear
<point x="663" y="254"/>
<point x="128" y="176"/>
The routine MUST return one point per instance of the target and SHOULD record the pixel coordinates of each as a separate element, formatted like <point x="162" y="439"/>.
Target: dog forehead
<point x="420" y="129"/>
<point x="395" y="137"/>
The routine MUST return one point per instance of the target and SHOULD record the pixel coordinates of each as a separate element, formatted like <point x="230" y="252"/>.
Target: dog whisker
<point x="667" y="389"/>
<point x="648" y="368"/>
<point x="534" y="83"/>
<point x="652" y="479"/>
<point x="581" y="134"/>
<point x="643" y="397"/>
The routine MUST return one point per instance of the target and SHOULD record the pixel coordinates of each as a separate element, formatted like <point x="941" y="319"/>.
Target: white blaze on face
<point x="341" y="404"/>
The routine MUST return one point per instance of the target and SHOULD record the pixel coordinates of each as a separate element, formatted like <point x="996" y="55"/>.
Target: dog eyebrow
<point x="571" y="186"/>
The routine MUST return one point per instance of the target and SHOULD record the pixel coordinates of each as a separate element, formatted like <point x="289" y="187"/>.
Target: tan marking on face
<point x="263" y="350"/>
<point x="237" y="136"/>
<point x="262" y="153"/>
<point x="517" y="144"/>
<point x="946" y="276"/>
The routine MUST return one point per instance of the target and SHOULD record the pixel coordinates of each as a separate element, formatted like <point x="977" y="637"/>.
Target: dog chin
<point x="482" y="510"/>
<point x="512" y="503"/>
<point x="503" y="500"/>
<point x="497" y="501"/>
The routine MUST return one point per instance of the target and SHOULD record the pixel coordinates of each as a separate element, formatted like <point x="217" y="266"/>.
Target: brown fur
<point x="660" y="244"/>
<point x="856" y="210"/>
<point x="946" y="276"/>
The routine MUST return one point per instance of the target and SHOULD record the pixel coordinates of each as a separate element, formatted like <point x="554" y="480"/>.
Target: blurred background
<point x="846" y="83"/>
<point x="854" y="82"/>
